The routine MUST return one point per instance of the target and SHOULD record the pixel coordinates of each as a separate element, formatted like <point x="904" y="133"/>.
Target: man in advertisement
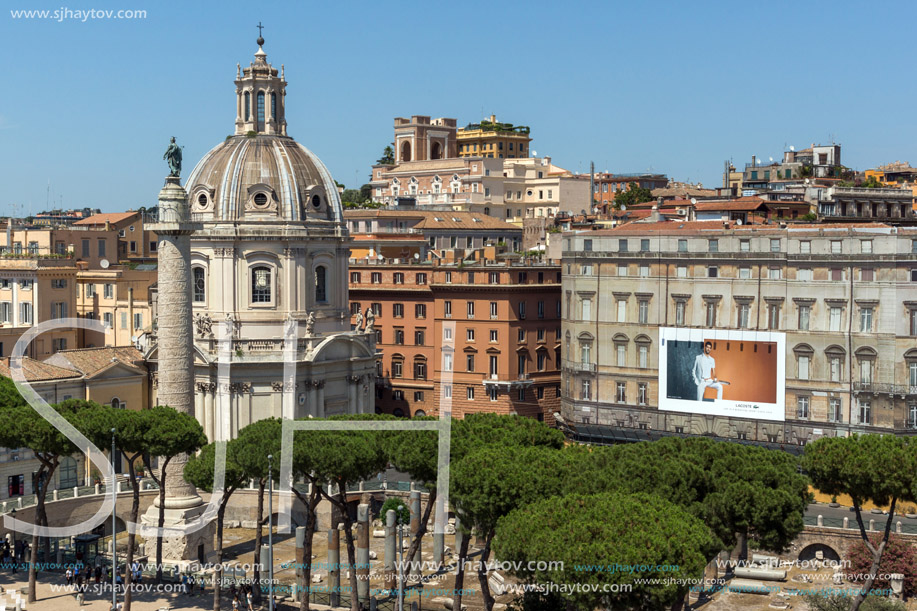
<point x="704" y="373"/>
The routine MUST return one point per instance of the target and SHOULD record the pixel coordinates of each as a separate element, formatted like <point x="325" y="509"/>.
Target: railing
<point x="406" y="230"/>
<point x="578" y="366"/>
<point x="873" y="193"/>
<point x="892" y="389"/>
<point x="872" y="522"/>
<point x="77" y="492"/>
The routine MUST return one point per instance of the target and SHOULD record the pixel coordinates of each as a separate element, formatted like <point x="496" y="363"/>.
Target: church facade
<point x="269" y="267"/>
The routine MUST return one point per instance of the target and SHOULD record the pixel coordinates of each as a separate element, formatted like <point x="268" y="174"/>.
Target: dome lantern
<point x="260" y="97"/>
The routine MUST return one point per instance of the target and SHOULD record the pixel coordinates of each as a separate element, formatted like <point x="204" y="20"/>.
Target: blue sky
<point x="672" y="87"/>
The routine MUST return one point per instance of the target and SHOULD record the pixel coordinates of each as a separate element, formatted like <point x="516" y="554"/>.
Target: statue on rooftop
<point x="173" y="158"/>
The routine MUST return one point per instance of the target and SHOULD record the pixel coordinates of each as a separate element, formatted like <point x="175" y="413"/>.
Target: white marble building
<point x="270" y="246"/>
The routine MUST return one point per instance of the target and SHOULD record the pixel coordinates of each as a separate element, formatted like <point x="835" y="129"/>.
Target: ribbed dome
<point x="262" y="178"/>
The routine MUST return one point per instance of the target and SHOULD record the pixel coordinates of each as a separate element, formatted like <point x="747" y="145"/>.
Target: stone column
<point x="334" y="564"/>
<point x="199" y="405"/>
<point x="458" y="535"/>
<point x="175" y="332"/>
<point x="362" y="552"/>
<point x="209" y="415"/>
<point x="321" y="399"/>
<point x="390" y="557"/>
<point x="175" y="370"/>
<point x="300" y="558"/>
<point x="416" y="570"/>
<point x="439" y="545"/>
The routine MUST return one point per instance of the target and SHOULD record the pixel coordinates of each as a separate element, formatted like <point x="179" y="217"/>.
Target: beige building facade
<point x="844" y="296"/>
<point x="35" y="289"/>
<point x="119" y="297"/>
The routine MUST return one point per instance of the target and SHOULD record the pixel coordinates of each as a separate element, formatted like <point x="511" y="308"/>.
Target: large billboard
<point x="721" y="372"/>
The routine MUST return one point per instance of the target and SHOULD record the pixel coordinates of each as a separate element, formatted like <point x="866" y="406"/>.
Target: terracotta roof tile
<point x="90" y="361"/>
<point x="37" y="371"/>
<point x="111" y="217"/>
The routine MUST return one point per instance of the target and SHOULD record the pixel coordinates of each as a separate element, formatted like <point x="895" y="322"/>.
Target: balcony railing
<point x="579" y="367"/>
<point x="884" y="388"/>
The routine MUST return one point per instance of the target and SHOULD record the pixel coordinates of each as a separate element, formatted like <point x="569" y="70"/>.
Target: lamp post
<point x="114" y="530"/>
<point x="270" y="529"/>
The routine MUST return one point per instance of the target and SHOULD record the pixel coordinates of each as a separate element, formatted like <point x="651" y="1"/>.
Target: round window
<point x="316" y="201"/>
<point x="420" y="413"/>
<point x="260" y="199"/>
<point x="529" y="193"/>
<point x="202" y="199"/>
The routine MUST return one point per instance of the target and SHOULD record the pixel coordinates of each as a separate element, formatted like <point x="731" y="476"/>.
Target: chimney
<point x="107" y="225"/>
<point x="753" y="162"/>
<point x="493" y="118"/>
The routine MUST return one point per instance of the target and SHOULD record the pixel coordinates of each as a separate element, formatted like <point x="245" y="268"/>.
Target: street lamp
<point x="114" y="529"/>
<point x="270" y="529"/>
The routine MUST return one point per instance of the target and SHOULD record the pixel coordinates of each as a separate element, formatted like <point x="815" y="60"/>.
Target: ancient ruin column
<point x="416" y="570"/>
<point x="300" y="559"/>
<point x="175" y="333"/>
<point x="362" y="551"/>
<point x="458" y="536"/>
<point x="175" y="370"/>
<point x="334" y="564"/>
<point x="439" y="545"/>
<point x="390" y="557"/>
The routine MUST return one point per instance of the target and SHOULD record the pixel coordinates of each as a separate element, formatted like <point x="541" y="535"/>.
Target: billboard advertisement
<point x="723" y="372"/>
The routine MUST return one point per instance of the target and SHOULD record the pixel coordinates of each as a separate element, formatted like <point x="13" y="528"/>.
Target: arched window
<point x="200" y="289"/>
<point x="274" y="106"/>
<point x="321" y="288"/>
<point x="406" y="151"/>
<point x="261" y="285"/>
<point x="248" y="106"/>
<point x="437" y="151"/>
<point x="260" y="108"/>
<point x="117" y="404"/>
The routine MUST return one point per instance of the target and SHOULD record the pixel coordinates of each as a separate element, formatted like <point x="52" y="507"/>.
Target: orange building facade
<point x="485" y="336"/>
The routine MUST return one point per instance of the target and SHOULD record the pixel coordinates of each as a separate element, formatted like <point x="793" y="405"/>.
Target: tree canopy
<point x="877" y="468"/>
<point x="388" y="156"/>
<point x="586" y="532"/>
<point x="635" y="194"/>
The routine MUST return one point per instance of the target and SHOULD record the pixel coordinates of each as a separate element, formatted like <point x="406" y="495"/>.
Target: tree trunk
<point x="256" y="559"/>
<point x="460" y="572"/>
<point x="306" y="582"/>
<point x="741" y="548"/>
<point x="132" y="537"/>
<point x="45" y="473"/>
<point x="351" y="549"/>
<point x="876" y="554"/>
<point x="162" y="514"/>
<point x="415" y="544"/>
<point x="482" y="573"/>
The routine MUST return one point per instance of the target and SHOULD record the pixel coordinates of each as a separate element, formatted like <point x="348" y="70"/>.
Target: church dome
<point x="260" y="174"/>
<point x="262" y="177"/>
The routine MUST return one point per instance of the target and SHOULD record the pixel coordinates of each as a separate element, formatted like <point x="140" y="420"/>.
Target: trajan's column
<point x="175" y="358"/>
